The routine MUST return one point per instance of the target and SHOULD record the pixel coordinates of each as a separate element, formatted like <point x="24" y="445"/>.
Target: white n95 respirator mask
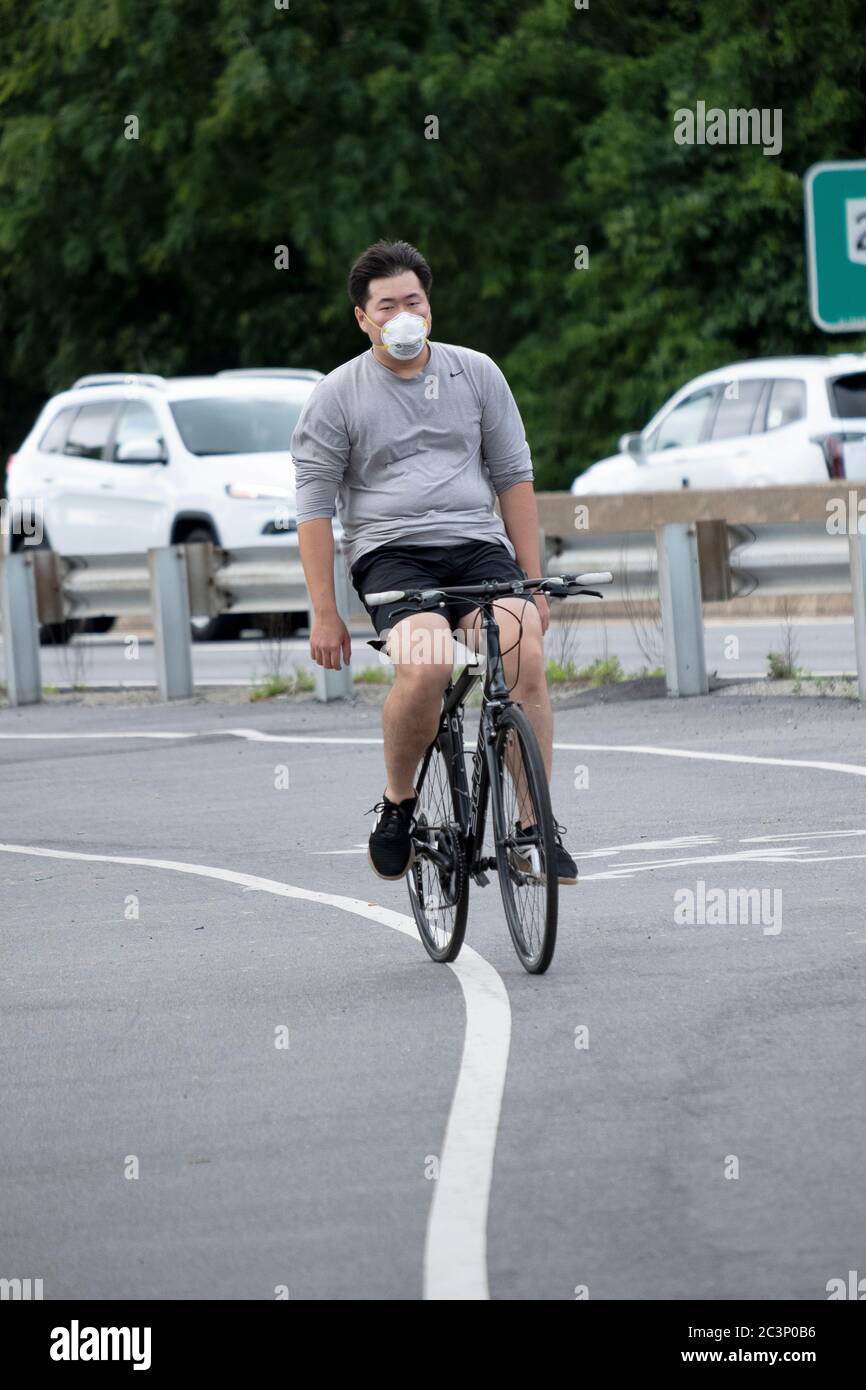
<point x="403" y="336"/>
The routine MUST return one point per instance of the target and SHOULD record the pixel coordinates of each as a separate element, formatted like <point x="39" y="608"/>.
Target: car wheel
<point x="278" y="626"/>
<point x="56" y="634"/>
<point x="100" y="624"/>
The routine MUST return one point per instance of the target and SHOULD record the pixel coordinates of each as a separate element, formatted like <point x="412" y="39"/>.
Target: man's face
<point x="392" y="295"/>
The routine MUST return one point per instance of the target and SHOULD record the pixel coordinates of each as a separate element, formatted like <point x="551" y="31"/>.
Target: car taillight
<point x="9" y="463"/>
<point x="834" y="456"/>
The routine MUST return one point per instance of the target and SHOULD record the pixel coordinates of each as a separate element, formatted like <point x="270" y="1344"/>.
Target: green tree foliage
<point x="305" y="126"/>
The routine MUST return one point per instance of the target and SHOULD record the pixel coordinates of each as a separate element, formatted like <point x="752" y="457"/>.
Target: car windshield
<point x="236" y="425"/>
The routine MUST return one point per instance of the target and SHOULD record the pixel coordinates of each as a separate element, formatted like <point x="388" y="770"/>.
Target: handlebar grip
<point x="386" y="596"/>
<point x="602" y="577"/>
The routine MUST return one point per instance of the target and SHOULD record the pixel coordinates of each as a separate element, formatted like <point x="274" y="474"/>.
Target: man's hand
<point x="328" y="639"/>
<point x="543" y="611"/>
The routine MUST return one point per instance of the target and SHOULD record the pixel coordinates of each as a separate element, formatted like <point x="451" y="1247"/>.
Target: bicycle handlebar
<point x="494" y="588"/>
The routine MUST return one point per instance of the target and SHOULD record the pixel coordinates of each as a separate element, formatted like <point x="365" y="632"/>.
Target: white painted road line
<point x="455" y="1254"/>
<point x="856" y="769"/>
<point x="801" y="835"/>
<point x="12" y="737"/>
<point x="257" y="736"/>
<point x="678" y="842"/>
<point x="795" y="854"/>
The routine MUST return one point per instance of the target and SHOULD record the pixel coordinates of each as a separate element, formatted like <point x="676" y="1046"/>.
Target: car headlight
<point x="264" y="492"/>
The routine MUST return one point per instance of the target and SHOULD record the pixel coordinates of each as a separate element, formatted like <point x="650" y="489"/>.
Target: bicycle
<point x="507" y="772"/>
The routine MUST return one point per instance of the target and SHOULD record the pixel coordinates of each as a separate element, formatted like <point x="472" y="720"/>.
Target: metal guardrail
<point x="254" y="579"/>
<point x="763" y="560"/>
<point x="171" y="583"/>
<point x="690" y="537"/>
<point x="696" y="562"/>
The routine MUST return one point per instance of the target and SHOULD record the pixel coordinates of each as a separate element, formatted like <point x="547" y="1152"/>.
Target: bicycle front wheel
<point x="525" y="841"/>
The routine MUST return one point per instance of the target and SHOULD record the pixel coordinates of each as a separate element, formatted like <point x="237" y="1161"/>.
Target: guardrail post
<point x="682" y="614"/>
<point x="857" y="554"/>
<point x="171" y="632"/>
<point x="336" y="685"/>
<point x="20" y="629"/>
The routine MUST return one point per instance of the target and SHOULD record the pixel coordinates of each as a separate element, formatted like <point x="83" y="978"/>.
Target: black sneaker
<point x="528" y="860"/>
<point x="391" y="852"/>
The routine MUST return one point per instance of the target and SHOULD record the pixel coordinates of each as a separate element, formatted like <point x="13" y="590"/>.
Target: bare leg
<point x="422" y="651"/>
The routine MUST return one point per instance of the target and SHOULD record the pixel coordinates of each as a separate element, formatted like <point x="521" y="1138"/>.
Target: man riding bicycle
<point x="413" y="442"/>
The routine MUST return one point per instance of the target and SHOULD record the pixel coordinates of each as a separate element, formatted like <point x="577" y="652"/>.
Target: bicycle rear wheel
<point x="438" y="881"/>
<point x="526" y="859"/>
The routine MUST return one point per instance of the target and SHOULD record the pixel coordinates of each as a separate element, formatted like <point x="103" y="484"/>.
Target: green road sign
<point x="836" y="245"/>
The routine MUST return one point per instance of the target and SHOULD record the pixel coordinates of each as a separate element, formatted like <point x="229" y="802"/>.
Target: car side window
<point x="685" y="424"/>
<point x="54" y="438"/>
<point x="737" y="408"/>
<point x="137" y="421"/>
<point x="787" y="403"/>
<point x="88" y="435"/>
<point x="848" y="396"/>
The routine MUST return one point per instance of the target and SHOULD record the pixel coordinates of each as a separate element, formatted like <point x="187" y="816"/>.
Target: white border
<point x="854" y="325"/>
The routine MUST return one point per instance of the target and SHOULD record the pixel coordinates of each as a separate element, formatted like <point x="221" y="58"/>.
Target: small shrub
<point x="558" y="672"/>
<point x="605" y="671"/>
<point x="374" y="675"/>
<point x="282" y="685"/>
<point x="780" y="667"/>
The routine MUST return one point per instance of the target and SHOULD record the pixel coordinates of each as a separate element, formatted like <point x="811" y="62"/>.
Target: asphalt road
<point x="824" y="647"/>
<point x="673" y="1111"/>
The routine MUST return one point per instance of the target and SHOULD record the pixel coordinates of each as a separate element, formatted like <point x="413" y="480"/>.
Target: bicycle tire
<point x="440" y="900"/>
<point x="534" y="950"/>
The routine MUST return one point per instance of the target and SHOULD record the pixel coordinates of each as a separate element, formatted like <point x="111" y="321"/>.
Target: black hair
<point x="382" y="259"/>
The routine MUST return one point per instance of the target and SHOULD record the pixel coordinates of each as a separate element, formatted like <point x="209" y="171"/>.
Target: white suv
<point x="752" y="424"/>
<point x="121" y="463"/>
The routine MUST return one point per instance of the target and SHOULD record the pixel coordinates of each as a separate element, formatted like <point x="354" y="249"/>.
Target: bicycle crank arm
<point x="425" y="851"/>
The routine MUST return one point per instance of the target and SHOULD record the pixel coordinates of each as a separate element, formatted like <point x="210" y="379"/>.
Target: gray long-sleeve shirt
<point x="415" y="461"/>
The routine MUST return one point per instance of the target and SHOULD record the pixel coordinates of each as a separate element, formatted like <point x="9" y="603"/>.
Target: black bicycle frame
<point x="471" y="808"/>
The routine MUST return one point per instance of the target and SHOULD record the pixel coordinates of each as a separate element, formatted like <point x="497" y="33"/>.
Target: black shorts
<point x="424" y="567"/>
